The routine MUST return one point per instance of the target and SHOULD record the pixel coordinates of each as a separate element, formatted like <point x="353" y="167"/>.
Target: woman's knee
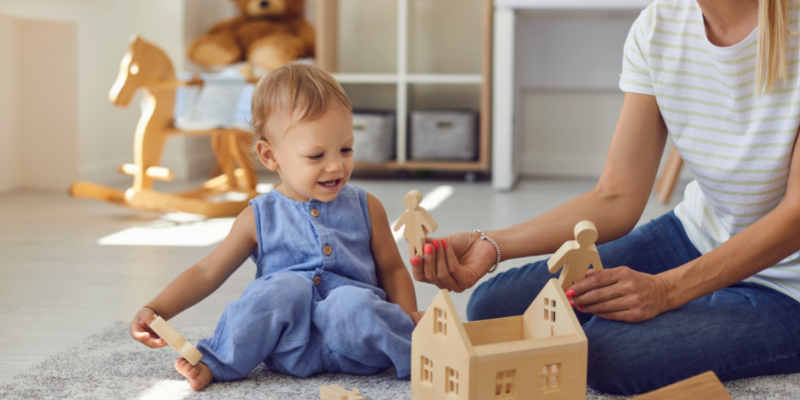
<point x="481" y="304"/>
<point x="607" y="362"/>
<point x="619" y="362"/>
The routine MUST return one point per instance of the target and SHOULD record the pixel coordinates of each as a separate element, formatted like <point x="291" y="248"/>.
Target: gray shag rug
<point x="111" y="365"/>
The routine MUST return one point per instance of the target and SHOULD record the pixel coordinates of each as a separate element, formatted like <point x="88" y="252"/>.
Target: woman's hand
<point x="621" y="294"/>
<point x="140" y="329"/>
<point x="454" y="263"/>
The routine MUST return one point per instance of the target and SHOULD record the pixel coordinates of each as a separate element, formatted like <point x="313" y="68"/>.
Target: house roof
<point x="444" y="301"/>
<point x="553" y="289"/>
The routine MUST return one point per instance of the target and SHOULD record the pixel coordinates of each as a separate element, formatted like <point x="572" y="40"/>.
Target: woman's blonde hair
<point x="295" y="90"/>
<point x="773" y="40"/>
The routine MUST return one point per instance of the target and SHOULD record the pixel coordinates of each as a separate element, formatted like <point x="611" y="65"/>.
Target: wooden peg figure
<point x="576" y="256"/>
<point x="417" y="221"/>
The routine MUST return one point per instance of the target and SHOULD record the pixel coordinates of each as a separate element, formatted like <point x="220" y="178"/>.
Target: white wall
<point x="103" y="27"/>
<point x="9" y="124"/>
<point x="567" y="133"/>
<point x="48" y="110"/>
<point x="570" y="101"/>
<point x="38" y="108"/>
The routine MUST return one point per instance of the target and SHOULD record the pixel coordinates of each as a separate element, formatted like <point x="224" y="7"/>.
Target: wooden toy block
<point x="176" y="341"/>
<point x="541" y="354"/>
<point x="417" y="221"/>
<point x="336" y="392"/>
<point x="576" y="256"/>
<point x="705" y="386"/>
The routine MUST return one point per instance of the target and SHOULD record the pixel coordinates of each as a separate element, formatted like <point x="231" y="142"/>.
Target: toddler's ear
<point x="266" y="154"/>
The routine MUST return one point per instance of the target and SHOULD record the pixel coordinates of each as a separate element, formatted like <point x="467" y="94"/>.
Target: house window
<point x="549" y="310"/>
<point x="551" y="377"/>
<point x="427" y="371"/>
<point x="440" y="322"/>
<point x="451" y="386"/>
<point x="504" y="385"/>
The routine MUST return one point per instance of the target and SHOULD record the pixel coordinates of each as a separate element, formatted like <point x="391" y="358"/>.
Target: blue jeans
<point x="741" y="331"/>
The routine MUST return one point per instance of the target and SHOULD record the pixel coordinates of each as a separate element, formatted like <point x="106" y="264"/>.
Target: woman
<point x="713" y="285"/>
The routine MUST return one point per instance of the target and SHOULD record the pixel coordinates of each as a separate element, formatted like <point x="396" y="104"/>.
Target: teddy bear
<point x="268" y="34"/>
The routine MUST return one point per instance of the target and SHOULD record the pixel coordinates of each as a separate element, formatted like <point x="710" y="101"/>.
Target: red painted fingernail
<point x="415" y="260"/>
<point x="580" y="308"/>
<point x="444" y="243"/>
<point x="570" y="292"/>
<point x="428" y="249"/>
<point x="436" y="244"/>
<point x="572" y="303"/>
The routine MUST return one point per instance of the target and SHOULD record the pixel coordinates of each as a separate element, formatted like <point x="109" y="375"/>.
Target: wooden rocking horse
<point x="148" y="67"/>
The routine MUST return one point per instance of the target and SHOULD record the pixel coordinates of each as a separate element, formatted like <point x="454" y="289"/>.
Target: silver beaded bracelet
<point x="496" y="247"/>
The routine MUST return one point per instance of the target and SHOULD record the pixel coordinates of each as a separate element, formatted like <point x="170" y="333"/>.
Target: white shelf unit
<point x="506" y="142"/>
<point x="326" y="56"/>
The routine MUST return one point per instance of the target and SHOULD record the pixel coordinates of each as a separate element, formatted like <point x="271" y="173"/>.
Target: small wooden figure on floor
<point x="336" y="392"/>
<point x="176" y="341"/>
<point x="576" y="256"/>
<point x="417" y="221"/>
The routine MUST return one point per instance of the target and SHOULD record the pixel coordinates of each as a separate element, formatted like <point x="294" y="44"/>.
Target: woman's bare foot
<point x="199" y="376"/>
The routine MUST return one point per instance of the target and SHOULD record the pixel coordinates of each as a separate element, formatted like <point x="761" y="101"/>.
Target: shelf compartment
<point x="409" y="81"/>
<point x="442" y="37"/>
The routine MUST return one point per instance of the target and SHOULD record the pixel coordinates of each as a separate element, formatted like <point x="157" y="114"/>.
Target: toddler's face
<point x="314" y="158"/>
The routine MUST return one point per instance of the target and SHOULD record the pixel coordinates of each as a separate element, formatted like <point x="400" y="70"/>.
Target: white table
<point x="505" y="162"/>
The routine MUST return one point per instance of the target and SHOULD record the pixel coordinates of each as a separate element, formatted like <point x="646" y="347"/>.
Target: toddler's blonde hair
<point x="295" y="90"/>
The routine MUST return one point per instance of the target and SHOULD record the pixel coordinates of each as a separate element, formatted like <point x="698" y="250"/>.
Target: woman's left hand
<point x="620" y="294"/>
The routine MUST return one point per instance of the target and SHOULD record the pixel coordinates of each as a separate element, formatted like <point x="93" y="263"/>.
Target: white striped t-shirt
<point x="738" y="146"/>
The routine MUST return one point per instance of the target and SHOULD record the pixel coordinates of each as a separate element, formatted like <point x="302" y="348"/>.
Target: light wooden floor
<point x="58" y="285"/>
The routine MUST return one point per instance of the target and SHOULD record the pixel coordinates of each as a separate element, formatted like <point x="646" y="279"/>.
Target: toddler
<point x="331" y="292"/>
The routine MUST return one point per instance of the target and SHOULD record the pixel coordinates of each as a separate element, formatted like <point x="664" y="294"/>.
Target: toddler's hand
<point x="416" y="316"/>
<point x="140" y="329"/>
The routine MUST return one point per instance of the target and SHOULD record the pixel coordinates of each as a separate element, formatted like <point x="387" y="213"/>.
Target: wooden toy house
<point x="539" y="355"/>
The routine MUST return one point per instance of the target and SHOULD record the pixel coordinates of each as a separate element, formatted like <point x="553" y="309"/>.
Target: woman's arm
<point x="391" y="271"/>
<point x="626" y="295"/>
<point x="617" y="201"/>
<point x="614" y="205"/>
<point x="200" y="280"/>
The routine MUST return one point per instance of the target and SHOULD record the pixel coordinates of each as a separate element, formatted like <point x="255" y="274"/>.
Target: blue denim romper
<point x="315" y="305"/>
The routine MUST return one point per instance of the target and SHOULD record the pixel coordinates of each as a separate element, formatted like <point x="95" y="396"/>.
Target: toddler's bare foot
<point x="199" y="376"/>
